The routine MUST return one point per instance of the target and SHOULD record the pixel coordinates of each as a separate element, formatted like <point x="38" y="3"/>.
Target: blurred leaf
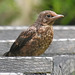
<point x="8" y="11"/>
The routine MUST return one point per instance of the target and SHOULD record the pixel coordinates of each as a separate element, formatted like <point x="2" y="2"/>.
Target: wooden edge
<point x="25" y="27"/>
<point x="25" y="74"/>
<point x="50" y="58"/>
<point x="58" y="40"/>
<point x="11" y="74"/>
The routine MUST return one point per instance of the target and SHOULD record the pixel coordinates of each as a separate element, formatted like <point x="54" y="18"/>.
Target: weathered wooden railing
<point x="59" y="58"/>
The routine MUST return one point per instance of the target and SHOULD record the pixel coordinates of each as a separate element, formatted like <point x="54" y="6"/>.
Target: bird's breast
<point x="43" y="38"/>
<point x="45" y="32"/>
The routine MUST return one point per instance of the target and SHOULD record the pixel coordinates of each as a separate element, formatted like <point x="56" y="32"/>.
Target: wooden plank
<point x="6" y="34"/>
<point x="66" y="47"/>
<point x="57" y="47"/>
<point x="64" y="65"/>
<point x="59" y="32"/>
<point x="26" y="64"/>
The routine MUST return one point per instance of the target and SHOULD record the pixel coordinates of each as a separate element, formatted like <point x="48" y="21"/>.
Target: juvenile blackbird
<point x="37" y="38"/>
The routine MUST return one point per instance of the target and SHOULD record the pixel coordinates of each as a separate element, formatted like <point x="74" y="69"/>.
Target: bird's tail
<point x="6" y="54"/>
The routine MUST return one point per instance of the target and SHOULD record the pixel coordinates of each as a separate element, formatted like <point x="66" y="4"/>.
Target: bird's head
<point x="48" y="17"/>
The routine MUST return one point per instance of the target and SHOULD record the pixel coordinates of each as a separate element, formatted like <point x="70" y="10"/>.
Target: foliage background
<point x="24" y="12"/>
<point x="8" y="11"/>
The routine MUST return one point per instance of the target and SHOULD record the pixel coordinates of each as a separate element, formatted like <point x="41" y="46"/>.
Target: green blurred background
<point x="25" y="12"/>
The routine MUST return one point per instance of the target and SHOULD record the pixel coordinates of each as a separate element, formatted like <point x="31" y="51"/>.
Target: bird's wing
<point x="23" y="38"/>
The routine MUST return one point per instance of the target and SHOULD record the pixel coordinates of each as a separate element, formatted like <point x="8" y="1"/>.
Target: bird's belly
<point x="44" y="42"/>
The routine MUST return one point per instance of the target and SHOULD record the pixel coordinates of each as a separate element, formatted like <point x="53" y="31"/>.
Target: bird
<point x="36" y="39"/>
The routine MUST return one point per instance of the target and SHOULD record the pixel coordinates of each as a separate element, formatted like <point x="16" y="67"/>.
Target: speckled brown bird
<point x="37" y="38"/>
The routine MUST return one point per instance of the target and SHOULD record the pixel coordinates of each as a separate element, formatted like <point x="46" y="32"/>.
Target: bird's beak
<point x="57" y="16"/>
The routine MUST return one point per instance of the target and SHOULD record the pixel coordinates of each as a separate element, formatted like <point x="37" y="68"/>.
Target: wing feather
<point x="23" y="38"/>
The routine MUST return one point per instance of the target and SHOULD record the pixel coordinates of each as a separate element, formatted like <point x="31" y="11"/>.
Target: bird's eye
<point x="48" y="15"/>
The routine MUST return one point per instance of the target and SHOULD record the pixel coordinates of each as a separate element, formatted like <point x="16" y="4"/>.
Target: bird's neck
<point x="39" y="22"/>
<point x="39" y="25"/>
<point x="45" y="24"/>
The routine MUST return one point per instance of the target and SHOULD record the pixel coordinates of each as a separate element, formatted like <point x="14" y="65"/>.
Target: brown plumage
<point x="37" y="38"/>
